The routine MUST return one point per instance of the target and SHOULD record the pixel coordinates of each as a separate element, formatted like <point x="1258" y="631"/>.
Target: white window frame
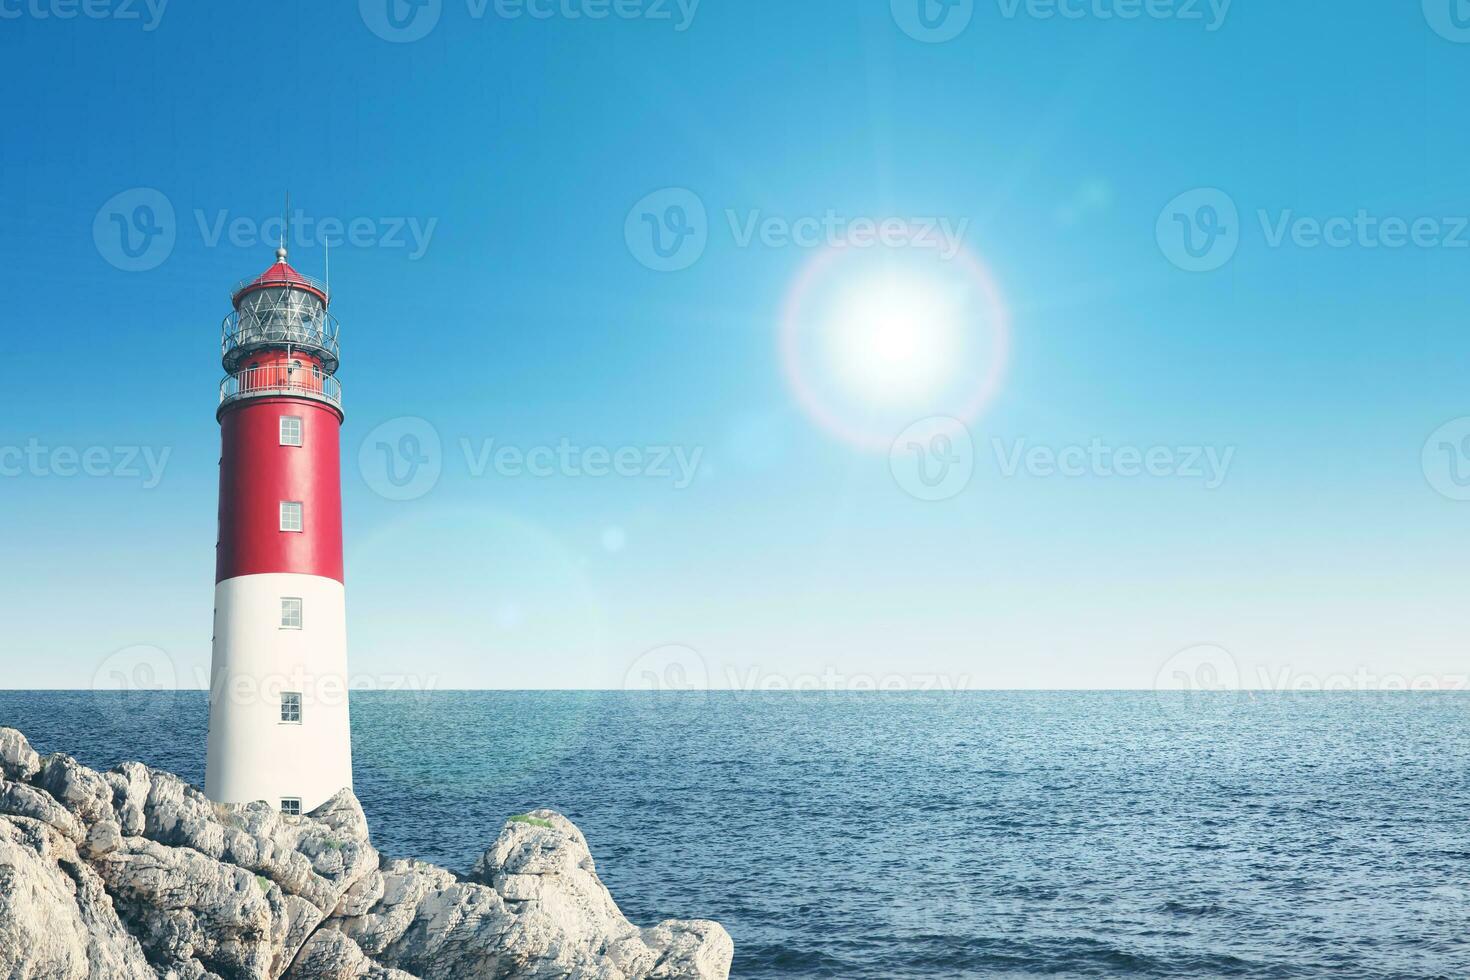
<point x="300" y="513"/>
<point x="299" y="608"/>
<point x="290" y="806"/>
<point x="300" y="433"/>
<point x="291" y="710"/>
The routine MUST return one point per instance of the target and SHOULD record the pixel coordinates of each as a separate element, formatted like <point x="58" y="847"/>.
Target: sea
<point x="932" y="835"/>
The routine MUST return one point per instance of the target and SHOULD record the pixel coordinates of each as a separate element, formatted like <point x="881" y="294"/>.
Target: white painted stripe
<point x="253" y="754"/>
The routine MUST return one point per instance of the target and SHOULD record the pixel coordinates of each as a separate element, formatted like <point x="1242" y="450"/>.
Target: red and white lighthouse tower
<point x="278" y="723"/>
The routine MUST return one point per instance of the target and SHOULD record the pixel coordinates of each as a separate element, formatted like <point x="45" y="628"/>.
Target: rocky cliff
<point x="134" y="874"/>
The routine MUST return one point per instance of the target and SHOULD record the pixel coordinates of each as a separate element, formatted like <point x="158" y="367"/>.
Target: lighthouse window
<point x="290" y="430"/>
<point x="290" y="515"/>
<point x="290" y="613"/>
<point x="291" y="708"/>
<point x="291" y="806"/>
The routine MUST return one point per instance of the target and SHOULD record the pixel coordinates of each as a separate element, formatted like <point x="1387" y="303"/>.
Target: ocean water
<point x="933" y="835"/>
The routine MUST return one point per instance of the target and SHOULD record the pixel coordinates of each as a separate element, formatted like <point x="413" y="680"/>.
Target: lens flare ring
<point x="991" y="323"/>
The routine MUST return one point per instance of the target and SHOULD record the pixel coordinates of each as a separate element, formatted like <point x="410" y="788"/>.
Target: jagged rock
<point x="135" y="874"/>
<point x="18" y="761"/>
<point x="20" y="800"/>
<point x="330" y="955"/>
<point x="56" y="920"/>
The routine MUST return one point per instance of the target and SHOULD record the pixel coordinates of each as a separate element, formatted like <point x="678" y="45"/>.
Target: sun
<point x="871" y="340"/>
<point x="893" y="339"/>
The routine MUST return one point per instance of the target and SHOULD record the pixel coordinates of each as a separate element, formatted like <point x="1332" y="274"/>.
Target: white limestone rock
<point x="18" y="761"/>
<point x="135" y="874"/>
<point x="56" y="920"/>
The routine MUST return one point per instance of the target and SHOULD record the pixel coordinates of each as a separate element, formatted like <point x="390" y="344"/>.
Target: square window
<point x="291" y="708"/>
<point x="290" y="430"/>
<point x="290" y="613"/>
<point x="290" y="515"/>
<point x="291" y="806"/>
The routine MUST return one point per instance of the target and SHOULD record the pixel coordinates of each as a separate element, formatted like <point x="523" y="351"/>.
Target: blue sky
<point x="499" y="169"/>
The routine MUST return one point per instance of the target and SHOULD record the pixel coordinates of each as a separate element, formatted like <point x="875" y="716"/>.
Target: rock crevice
<point x="133" y="874"/>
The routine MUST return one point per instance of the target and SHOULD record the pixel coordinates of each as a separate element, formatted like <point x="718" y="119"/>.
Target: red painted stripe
<point x="257" y="473"/>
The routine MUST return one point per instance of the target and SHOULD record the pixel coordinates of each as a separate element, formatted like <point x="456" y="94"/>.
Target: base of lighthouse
<point x="278" y="720"/>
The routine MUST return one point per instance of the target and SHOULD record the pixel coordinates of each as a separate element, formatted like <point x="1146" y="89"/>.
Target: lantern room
<point x="280" y="339"/>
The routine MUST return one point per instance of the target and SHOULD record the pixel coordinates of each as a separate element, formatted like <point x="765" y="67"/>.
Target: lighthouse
<point x="278" y="723"/>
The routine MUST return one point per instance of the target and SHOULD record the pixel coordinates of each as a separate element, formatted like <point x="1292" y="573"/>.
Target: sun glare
<point x="873" y="340"/>
<point x="893" y="340"/>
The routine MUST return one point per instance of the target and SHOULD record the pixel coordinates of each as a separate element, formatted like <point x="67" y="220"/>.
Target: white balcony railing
<point x="280" y="379"/>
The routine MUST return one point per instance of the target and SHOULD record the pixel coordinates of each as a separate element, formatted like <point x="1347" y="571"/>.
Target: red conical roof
<point x="281" y="274"/>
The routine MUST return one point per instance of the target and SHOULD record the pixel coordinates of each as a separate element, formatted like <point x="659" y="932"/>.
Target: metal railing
<point x="280" y="379"/>
<point x="311" y="330"/>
